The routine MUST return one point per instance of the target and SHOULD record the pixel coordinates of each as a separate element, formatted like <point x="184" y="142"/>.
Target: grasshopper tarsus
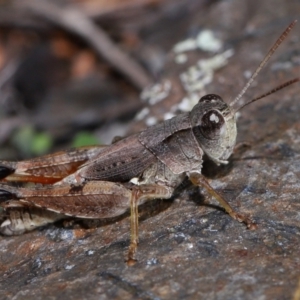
<point x="131" y="260"/>
<point x="252" y="226"/>
<point x="244" y="219"/>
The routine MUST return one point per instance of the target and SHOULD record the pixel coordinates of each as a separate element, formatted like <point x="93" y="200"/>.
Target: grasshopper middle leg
<point x="141" y="194"/>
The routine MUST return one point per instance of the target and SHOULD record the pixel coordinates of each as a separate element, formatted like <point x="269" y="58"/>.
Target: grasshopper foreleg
<point x="199" y="180"/>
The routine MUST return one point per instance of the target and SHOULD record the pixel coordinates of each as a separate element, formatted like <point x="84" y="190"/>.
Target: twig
<point x="75" y="21"/>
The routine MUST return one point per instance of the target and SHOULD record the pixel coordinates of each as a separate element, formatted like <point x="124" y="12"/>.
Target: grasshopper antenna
<point x="261" y="65"/>
<point x="274" y="90"/>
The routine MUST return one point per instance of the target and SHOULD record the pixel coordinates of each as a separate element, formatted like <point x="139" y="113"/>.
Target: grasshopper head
<point x="214" y="126"/>
<point x="213" y="121"/>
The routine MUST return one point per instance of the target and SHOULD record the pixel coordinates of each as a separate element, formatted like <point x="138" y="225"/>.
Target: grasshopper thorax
<point x="214" y="127"/>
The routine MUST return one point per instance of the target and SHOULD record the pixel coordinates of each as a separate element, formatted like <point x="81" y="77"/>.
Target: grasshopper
<point x="97" y="182"/>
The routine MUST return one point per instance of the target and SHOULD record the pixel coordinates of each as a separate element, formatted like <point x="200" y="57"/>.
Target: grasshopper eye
<point x="210" y="98"/>
<point x="212" y="124"/>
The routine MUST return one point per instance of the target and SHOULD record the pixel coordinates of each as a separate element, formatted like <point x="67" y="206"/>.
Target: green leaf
<point x="22" y="140"/>
<point x="41" y="143"/>
<point x="84" y="138"/>
<point x="30" y="142"/>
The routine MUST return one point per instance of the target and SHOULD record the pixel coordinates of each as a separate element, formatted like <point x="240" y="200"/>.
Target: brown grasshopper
<point x="96" y="182"/>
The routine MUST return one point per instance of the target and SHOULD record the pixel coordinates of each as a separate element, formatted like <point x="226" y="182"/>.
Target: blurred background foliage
<point x="79" y="66"/>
